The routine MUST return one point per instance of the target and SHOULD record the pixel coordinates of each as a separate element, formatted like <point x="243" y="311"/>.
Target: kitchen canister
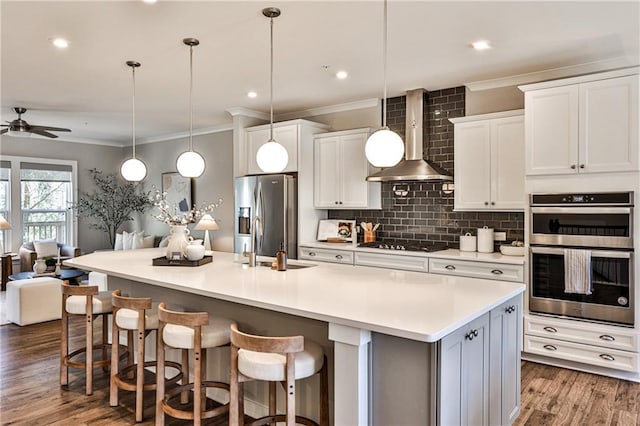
<point x="485" y="240"/>
<point x="468" y="242"/>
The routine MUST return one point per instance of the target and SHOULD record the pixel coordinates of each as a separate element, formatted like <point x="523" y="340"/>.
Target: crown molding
<point x="181" y="135"/>
<point x="247" y="112"/>
<point x="349" y="106"/>
<point x="74" y="139"/>
<point x="550" y="74"/>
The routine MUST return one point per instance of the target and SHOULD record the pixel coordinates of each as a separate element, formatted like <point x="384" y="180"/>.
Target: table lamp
<point x="206" y="224"/>
<point x="4" y="225"/>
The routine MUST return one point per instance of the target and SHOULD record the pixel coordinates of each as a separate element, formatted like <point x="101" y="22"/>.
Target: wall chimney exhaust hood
<point x="413" y="167"/>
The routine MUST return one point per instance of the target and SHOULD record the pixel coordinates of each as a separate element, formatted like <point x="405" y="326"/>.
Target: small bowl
<point x="512" y="250"/>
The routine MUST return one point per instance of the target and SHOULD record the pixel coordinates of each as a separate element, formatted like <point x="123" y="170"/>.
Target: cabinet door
<point x="472" y="156"/>
<point x="287" y="136"/>
<point x="551" y="130"/>
<point x="354" y="168"/>
<point x="504" y="369"/>
<point x="464" y="375"/>
<point x="326" y="178"/>
<point x="609" y="125"/>
<point x="507" y="163"/>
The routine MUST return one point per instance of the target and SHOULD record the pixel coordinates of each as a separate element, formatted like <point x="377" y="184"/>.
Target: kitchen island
<point x="373" y="316"/>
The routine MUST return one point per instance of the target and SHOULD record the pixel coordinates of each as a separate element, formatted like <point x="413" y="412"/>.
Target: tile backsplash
<point x="425" y="215"/>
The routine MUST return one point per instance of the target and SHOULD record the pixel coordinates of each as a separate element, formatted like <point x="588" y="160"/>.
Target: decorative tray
<point x="163" y="261"/>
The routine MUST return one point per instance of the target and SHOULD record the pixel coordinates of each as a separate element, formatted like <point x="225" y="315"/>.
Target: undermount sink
<point x="289" y="265"/>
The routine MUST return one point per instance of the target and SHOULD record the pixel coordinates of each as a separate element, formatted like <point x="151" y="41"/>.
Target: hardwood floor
<point x="30" y="393"/>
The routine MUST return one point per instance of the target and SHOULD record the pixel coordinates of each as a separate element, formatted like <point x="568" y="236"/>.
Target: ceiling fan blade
<point x="3" y="131"/>
<point x="5" y="125"/>
<point x="54" y="129"/>
<point x="42" y="132"/>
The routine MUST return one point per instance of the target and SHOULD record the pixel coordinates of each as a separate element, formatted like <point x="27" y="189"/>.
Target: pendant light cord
<point x="271" y="84"/>
<point x="191" y="98"/>
<point x="133" y="108"/>
<point x="384" y="67"/>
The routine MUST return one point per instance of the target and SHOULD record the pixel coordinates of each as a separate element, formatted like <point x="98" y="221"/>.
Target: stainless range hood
<point x="413" y="167"/>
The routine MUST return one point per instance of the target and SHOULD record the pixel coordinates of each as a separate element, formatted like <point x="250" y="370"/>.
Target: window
<point x="45" y="195"/>
<point x="35" y="196"/>
<point x="5" y="200"/>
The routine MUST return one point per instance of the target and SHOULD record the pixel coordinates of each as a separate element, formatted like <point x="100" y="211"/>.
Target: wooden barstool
<point x="134" y="314"/>
<point x="189" y="330"/>
<point x="276" y="359"/>
<point x="90" y="303"/>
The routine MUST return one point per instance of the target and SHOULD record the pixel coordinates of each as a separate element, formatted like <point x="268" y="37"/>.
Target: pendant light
<point x="384" y="148"/>
<point x="271" y="156"/>
<point x="190" y="163"/>
<point x="133" y="169"/>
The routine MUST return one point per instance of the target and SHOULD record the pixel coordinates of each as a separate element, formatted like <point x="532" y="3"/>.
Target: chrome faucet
<point x="254" y="234"/>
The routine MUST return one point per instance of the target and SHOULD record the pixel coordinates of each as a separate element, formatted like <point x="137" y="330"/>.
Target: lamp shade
<point x="207" y="223"/>
<point x="384" y="148"/>
<point x="133" y="170"/>
<point x="4" y="224"/>
<point x="190" y="164"/>
<point x="272" y="157"/>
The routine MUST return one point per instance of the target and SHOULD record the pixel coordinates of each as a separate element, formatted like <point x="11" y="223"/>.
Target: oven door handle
<point x="594" y="253"/>
<point x="583" y="210"/>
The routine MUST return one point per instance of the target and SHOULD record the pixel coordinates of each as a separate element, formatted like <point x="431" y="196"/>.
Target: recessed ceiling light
<point x="342" y="75"/>
<point x="252" y="94"/>
<point x="481" y="45"/>
<point x="60" y="43"/>
<point x="149" y="1"/>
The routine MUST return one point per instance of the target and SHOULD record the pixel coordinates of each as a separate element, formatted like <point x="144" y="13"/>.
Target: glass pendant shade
<point x="384" y="148"/>
<point x="133" y="170"/>
<point x="190" y="164"/>
<point x="272" y="157"/>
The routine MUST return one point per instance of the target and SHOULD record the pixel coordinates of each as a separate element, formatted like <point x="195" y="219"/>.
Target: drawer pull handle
<point x="312" y="253"/>
<point x="551" y="348"/>
<point x="470" y="335"/>
<point x="608" y="338"/>
<point x="497" y="272"/>
<point x="550" y="329"/>
<point x="450" y="267"/>
<point x="607" y="357"/>
<point x="339" y="256"/>
<point x="510" y="309"/>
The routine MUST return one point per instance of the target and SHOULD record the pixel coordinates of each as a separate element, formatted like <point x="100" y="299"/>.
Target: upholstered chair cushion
<point x="127" y="319"/>
<point x="216" y="333"/>
<point x="271" y="366"/>
<point x="101" y="303"/>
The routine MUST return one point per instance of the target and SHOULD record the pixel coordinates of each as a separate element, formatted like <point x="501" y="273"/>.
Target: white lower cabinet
<point x="326" y="255"/>
<point x="473" y="269"/>
<point x="393" y="261"/>
<point x="587" y="343"/>
<point x="480" y="369"/>
<point x="464" y="375"/>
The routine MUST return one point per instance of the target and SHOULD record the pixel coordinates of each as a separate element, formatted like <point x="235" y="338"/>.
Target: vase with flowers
<point x="179" y="237"/>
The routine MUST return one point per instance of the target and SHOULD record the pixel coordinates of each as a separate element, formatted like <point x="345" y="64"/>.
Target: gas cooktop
<point x="406" y="247"/>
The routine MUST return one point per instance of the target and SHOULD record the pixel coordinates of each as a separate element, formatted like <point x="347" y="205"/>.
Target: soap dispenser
<point x="281" y="258"/>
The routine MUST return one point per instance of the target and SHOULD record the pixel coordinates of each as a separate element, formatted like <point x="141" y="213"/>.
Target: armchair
<point x="28" y="254"/>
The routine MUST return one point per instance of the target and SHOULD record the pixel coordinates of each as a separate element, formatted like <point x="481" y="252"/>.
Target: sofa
<point x="28" y="254"/>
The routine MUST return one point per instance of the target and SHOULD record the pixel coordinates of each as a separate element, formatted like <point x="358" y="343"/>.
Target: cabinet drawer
<point x="393" y="261"/>
<point x="324" y="255"/>
<point x="603" y="357"/>
<point x="579" y="332"/>
<point x="491" y="271"/>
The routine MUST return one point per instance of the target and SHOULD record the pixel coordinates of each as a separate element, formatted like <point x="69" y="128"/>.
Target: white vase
<point x="40" y="267"/>
<point x="178" y="241"/>
<point x="195" y="251"/>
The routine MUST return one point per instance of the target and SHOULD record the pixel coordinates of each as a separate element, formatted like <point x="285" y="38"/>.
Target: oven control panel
<point x="604" y="198"/>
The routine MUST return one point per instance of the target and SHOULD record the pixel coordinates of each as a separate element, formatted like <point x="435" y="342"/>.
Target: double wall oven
<point x="581" y="256"/>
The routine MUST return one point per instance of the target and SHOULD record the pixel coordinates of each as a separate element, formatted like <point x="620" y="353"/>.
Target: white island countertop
<point x="413" y="305"/>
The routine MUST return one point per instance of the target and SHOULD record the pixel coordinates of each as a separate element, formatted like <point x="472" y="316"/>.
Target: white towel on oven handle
<point x="577" y="271"/>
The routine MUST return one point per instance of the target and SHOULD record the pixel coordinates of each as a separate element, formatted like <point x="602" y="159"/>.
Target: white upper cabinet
<point x="286" y="136"/>
<point x="585" y="124"/>
<point x="489" y="161"/>
<point x="340" y="169"/>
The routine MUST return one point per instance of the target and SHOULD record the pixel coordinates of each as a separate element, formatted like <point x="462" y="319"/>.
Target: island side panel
<point x="402" y="381"/>
<point x="253" y="320"/>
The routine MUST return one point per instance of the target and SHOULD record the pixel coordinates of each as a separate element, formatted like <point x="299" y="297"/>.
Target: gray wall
<point x="105" y="158"/>
<point x="215" y="183"/>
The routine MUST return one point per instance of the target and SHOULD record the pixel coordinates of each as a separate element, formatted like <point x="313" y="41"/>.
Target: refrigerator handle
<point x="259" y="232"/>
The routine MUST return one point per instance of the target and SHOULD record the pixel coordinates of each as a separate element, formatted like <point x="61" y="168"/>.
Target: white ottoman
<point x="34" y="300"/>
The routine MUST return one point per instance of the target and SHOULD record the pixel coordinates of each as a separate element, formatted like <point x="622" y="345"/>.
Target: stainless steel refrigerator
<point x="273" y="199"/>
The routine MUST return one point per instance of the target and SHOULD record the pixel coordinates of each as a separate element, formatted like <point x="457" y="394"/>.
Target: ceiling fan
<point x="19" y="127"/>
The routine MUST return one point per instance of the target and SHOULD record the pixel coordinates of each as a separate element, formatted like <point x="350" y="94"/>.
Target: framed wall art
<point x="179" y="191"/>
